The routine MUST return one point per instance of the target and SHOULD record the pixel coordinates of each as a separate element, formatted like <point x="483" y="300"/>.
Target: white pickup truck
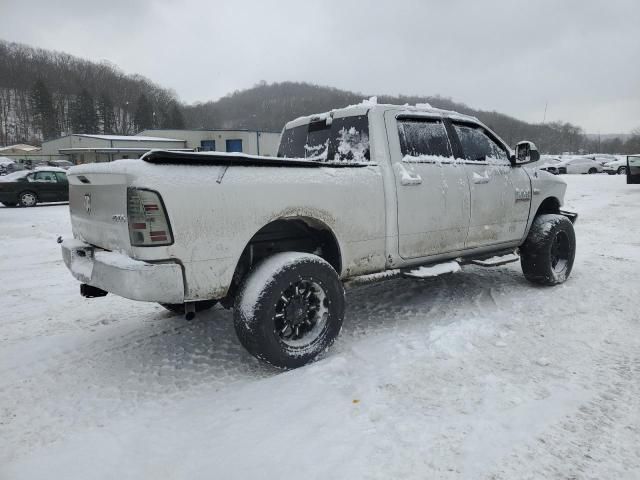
<point x="357" y="191"/>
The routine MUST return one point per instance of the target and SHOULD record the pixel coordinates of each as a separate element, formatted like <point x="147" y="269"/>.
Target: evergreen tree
<point x="84" y="118"/>
<point x="143" y="116"/>
<point x="174" y="117"/>
<point x="106" y="114"/>
<point x="43" y="111"/>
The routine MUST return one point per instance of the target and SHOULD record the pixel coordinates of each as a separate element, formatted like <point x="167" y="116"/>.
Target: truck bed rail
<point x="240" y="159"/>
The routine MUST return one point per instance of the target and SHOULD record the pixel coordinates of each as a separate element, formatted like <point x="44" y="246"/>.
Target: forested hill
<point x="270" y="106"/>
<point x="45" y="94"/>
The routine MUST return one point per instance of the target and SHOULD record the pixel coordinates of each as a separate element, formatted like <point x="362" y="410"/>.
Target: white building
<point x="84" y="148"/>
<point x="251" y="142"/>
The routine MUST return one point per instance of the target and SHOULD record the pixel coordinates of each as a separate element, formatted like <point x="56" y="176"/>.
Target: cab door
<point x="500" y="192"/>
<point x="432" y="190"/>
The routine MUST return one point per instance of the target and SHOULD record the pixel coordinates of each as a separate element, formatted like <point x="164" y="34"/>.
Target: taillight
<point x="148" y="222"/>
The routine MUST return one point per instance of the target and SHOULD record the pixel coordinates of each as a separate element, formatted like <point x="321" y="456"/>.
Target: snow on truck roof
<point x="366" y="105"/>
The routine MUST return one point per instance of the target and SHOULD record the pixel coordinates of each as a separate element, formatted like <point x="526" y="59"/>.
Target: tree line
<point x="46" y="94"/>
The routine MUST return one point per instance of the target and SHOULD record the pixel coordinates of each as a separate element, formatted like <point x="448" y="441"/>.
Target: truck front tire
<point x="289" y="309"/>
<point x="547" y="254"/>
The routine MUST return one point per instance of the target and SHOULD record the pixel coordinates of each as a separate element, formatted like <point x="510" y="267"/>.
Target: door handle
<point x="481" y="178"/>
<point x="406" y="177"/>
<point x="409" y="179"/>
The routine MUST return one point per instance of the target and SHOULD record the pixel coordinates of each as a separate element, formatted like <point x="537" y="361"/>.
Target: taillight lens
<point x="148" y="222"/>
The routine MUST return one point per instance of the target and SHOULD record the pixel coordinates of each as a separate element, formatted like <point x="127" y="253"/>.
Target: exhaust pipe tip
<point x="189" y="310"/>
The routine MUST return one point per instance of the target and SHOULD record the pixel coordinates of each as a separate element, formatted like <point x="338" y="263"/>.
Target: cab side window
<point x="477" y="145"/>
<point x="423" y="137"/>
<point x="47" y="177"/>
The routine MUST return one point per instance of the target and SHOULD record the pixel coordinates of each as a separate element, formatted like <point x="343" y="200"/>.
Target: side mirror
<point x="526" y="152"/>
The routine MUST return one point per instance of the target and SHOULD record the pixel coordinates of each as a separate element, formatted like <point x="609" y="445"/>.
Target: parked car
<point x="601" y="158"/>
<point x="549" y="163"/>
<point x="365" y="190"/>
<point x="578" y="165"/>
<point x="618" y="166"/>
<point x="65" y="164"/>
<point x="27" y="188"/>
<point x="6" y="165"/>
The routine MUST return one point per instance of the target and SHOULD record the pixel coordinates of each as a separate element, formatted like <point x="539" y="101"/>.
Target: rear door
<point x="432" y="190"/>
<point x="63" y="187"/>
<point x="500" y="192"/>
<point x="46" y="186"/>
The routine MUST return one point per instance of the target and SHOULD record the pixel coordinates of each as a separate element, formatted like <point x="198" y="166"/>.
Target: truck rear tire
<point x="289" y="309"/>
<point x="548" y="252"/>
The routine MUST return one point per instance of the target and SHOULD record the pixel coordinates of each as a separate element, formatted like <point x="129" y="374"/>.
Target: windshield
<point x="345" y="139"/>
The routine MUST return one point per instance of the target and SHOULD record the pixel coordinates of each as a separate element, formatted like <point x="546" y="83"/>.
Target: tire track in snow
<point x="599" y="440"/>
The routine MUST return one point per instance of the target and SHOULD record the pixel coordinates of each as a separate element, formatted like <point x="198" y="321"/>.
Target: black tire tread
<point x="535" y="252"/>
<point x="250" y="318"/>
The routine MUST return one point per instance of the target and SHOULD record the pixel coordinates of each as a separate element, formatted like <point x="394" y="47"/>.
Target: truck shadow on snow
<point x="168" y="358"/>
<point x="176" y="355"/>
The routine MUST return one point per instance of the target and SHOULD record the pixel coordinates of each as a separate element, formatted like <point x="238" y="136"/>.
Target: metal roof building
<point x="85" y="148"/>
<point x="252" y="142"/>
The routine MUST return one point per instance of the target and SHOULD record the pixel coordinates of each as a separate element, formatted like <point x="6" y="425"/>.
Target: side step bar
<point x="434" y="269"/>
<point x="497" y="261"/>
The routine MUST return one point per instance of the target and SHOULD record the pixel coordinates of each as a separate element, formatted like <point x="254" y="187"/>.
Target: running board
<point x="433" y="270"/>
<point x="497" y="261"/>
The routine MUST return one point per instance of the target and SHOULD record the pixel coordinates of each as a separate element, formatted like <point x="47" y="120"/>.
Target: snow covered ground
<point x="476" y="374"/>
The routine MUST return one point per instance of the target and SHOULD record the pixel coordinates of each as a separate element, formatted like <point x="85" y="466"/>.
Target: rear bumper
<point x="121" y="275"/>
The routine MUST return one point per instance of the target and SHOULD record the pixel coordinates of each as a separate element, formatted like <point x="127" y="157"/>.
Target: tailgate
<point x="98" y="206"/>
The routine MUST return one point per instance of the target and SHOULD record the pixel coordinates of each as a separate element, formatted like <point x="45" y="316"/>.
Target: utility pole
<point x="544" y="118"/>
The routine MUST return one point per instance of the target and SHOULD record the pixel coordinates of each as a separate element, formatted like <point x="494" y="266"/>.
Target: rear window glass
<point x="423" y="137"/>
<point x="346" y="139"/>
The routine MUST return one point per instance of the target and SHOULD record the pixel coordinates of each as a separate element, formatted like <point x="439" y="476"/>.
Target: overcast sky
<point x="580" y="57"/>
